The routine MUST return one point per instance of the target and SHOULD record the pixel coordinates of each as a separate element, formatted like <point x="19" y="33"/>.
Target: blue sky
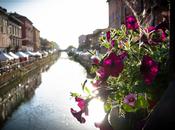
<point x="62" y="21"/>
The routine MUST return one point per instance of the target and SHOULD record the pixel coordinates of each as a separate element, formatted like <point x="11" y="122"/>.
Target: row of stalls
<point x="10" y="61"/>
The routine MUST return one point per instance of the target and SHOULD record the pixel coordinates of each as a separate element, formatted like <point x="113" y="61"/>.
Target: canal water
<point x="48" y="108"/>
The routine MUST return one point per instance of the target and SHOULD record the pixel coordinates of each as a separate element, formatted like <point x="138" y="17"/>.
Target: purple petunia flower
<point x="130" y="99"/>
<point x="131" y="23"/>
<point x="150" y="28"/>
<point x="149" y="69"/>
<point x="155" y="36"/>
<point x="108" y="35"/>
<point x="81" y="103"/>
<point x="112" y="43"/>
<point x="113" y="64"/>
<point x="83" y="109"/>
<point x="78" y="115"/>
<point x="102" y="73"/>
<point x="123" y="55"/>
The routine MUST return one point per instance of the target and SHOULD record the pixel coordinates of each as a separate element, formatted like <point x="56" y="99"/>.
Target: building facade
<point x="118" y="11"/>
<point x="36" y="39"/>
<point x="4" y="36"/>
<point x="15" y="33"/>
<point x="91" y="41"/>
<point x="27" y="32"/>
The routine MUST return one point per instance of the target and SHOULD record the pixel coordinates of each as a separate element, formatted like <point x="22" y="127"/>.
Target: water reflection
<point x="49" y="108"/>
<point x="20" y="92"/>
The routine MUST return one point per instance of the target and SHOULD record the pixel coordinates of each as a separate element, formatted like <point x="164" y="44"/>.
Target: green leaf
<point x="107" y="107"/>
<point x="128" y="108"/>
<point x="86" y="90"/>
<point x="106" y="45"/>
<point x="75" y="94"/>
<point x="141" y="102"/>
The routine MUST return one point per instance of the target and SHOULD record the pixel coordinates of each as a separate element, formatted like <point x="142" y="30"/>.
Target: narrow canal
<point x="49" y="107"/>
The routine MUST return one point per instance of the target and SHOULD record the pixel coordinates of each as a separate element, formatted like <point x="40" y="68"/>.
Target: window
<point x="10" y="29"/>
<point x="4" y="30"/>
<point x="0" y="24"/>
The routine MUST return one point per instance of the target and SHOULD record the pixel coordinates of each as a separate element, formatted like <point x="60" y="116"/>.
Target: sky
<point x="62" y="21"/>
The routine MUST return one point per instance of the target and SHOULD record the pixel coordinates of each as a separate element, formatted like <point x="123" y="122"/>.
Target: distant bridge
<point x="63" y="50"/>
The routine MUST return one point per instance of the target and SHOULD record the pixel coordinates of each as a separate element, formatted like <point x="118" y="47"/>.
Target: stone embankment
<point x="19" y="84"/>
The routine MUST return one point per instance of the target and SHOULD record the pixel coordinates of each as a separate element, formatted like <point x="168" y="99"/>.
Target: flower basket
<point x="130" y="77"/>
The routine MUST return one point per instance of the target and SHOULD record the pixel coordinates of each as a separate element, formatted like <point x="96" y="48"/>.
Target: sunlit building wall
<point x="36" y="39"/>
<point x="15" y="33"/>
<point x="27" y="32"/>
<point x="4" y="36"/>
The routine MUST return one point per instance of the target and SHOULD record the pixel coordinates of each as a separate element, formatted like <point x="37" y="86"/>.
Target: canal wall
<point x="19" y="85"/>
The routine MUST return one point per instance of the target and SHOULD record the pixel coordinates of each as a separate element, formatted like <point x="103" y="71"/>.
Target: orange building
<point x="27" y="32"/>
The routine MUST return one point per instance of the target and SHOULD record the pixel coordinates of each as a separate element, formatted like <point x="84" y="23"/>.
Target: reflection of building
<point x="27" y="32"/>
<point x="4" y="36"/>
<point x="118" y="10"/>
<point x="90" y="41"/>
<point x="15" y="32"/>
<point x="36" y="39"/>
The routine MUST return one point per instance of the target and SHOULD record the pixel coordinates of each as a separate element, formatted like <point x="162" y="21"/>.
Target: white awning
<point x="21" y="54"/>
<point x="5" y="57"/>
<point x="29" y="53"/>
<point x="13" y="55"/>
<point x="38" y="54"/>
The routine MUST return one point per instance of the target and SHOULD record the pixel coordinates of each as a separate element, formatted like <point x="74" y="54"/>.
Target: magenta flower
<point x="108" y="36"/>
<point x="113" y="64"/>
<point x="123" y="55"/>
<point x="130" y="99"/>
<point x="112" y="43"/>
<point x="81" y="103"/>
<point x="131" y="23"/>
<point x="102" y="73"/>
<point x="83" y="109"/>
<point x="78" y="115"/>
<point x="156" y="37"/>
<point x="149" y="69"/>
<point x="150" y="28"/>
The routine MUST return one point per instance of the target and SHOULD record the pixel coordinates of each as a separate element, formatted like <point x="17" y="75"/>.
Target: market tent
<point x="9" y="57"/>
<point x="13" y="55"/>
<point x="5" y="57"/>
<point x="21" y="54"/>
<point x="45" y="53"/>
<point x="38" y="54"/>
<point x="29" y="53"/>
